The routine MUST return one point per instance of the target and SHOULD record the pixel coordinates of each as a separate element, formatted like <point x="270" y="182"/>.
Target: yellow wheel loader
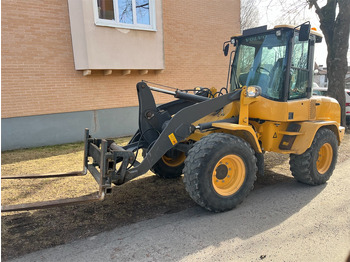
<point x="217" y="139"/>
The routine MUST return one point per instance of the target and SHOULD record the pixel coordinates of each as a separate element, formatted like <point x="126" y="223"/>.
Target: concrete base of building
<point x="53" y="129"/>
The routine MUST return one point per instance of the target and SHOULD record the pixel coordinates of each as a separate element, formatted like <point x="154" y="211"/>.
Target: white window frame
<point x="115" y="23"/>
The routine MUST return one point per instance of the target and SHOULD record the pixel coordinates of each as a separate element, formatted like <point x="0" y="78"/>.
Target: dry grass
<point x="144" y="198"/>
<point x="51" y="159"/>
<point x="24" y="232"/>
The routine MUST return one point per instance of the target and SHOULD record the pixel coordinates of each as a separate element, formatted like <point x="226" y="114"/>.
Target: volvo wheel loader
<point x="217" y="139"/>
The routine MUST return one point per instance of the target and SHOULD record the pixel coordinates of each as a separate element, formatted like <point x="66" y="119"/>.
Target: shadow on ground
<point x="264" y="209"/>
<point x="145" y="198"/>
<point x="142" y="199"/>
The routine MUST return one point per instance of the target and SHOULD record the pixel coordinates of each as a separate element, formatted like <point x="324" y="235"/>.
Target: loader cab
<point x="276" y="60"/>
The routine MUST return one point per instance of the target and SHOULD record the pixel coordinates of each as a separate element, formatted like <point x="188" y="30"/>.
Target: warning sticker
<point x="172" y="139"/>
<point x="275" y="135"/>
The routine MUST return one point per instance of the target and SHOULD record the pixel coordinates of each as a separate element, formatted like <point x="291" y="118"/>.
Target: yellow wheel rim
<point x="173" y="162"/>
<point x="324" y="160"/>
<point x="228" y="175"/>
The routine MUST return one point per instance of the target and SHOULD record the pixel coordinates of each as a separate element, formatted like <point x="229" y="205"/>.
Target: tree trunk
<point x="336" y="32"/>
<point x="336" y="82"/>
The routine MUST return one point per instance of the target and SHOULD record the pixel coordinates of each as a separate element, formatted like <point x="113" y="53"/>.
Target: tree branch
<point x="144" y="6"/>
<point x="315" y="4"/>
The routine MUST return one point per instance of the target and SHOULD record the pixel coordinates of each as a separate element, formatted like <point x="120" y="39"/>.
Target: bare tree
<point x="249" y="14"/>
<point x="335" y="25"/>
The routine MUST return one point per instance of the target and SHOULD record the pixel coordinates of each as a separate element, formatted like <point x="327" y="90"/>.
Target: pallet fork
<point x="103" y="158"/>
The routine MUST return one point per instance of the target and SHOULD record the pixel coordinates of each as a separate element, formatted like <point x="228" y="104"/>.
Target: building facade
<point x="72" y="64"/>
<point x="320" y="77"/>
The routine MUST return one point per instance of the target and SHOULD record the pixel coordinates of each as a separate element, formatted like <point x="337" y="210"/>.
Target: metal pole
<point x="162" y="90"/>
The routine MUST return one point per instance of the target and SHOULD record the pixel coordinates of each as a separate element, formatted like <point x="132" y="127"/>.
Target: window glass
<point x="138" y="14"/>
<point x="299" y="75"/>
<point x="300" y="54"/>
<point x="142" y="12"/>
<point x="125" y="11"/>
<point x="246" y="58"/>
<point x="260" y="60"/>
<point x="105" y="9"/>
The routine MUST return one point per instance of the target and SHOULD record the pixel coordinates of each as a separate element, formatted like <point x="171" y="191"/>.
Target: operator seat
<point x="276" y="79"/>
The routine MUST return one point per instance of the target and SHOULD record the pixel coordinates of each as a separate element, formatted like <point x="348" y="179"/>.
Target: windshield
<point x="261" y="60"/>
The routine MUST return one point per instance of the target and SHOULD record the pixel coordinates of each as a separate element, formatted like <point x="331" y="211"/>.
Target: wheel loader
<point x="217" y="139"/>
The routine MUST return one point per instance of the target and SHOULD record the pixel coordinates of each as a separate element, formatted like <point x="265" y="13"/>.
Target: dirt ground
<point x="140" y="199"/>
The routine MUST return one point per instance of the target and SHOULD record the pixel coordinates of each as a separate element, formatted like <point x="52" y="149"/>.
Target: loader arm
<point x="178" y="129"/>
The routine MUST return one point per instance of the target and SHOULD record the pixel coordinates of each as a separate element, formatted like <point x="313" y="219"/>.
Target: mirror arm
<point x="307" y="22"/>
<point x="223" y="45"/>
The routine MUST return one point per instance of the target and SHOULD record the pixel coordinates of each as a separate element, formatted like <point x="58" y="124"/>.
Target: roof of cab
<point x="261" y="29"/>
<point x="312" y="31"/>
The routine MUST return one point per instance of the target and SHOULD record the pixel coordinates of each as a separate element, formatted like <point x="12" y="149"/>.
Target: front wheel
<point x="220" y="171"/>
<point x="316" y="165"/>
<point x="170" y="166"/>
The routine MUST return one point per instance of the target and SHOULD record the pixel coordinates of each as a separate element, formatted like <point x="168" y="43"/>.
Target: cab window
<point x="261" y="60"/>
<point x="299" y="71"/>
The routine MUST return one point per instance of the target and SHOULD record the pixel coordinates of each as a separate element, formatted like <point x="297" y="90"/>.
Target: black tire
<point x="168" y="167"/>
<point x="316" y="165"/>
<point x="203" y="182"/>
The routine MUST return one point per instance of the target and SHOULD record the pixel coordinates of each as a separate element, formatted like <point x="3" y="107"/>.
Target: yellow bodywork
<point x="263" y="122"/>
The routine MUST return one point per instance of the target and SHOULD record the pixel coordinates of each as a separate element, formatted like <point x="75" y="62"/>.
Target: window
<point x="299" y="79"/>
<point x="131" y="14"/>
<point x="260" y="60"/>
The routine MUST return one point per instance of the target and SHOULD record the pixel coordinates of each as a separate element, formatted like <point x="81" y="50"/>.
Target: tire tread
<point x="200" y="153"/>
<point x="301" y="166"/>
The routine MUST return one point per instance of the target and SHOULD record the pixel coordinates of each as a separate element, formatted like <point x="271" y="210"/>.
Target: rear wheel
<point x="316" y="165"/>
<point x="170" y="166"/>
<point x="220" y="171"/>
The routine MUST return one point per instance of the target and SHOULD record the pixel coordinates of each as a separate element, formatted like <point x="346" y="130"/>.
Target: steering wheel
<point x="263" y="68"/>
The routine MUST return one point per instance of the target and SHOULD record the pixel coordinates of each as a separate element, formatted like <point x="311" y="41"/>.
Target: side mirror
<point x="304" y="32"/>
<point x="227" y="46"/>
